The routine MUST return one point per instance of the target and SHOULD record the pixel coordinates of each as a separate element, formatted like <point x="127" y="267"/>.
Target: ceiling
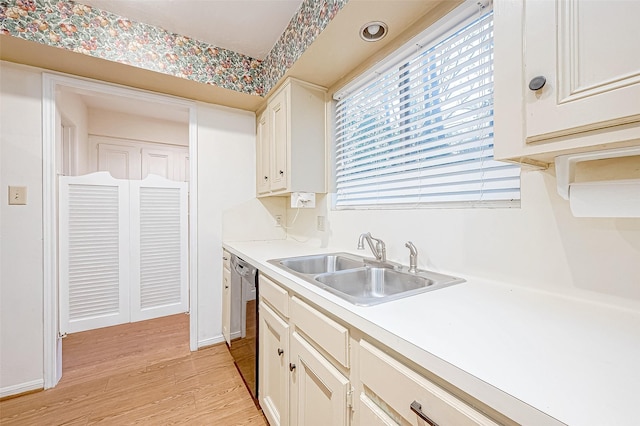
<point x="250" y="27"/>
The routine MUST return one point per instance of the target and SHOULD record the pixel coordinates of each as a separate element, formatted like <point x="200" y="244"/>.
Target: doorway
<point x="59" y="132"/>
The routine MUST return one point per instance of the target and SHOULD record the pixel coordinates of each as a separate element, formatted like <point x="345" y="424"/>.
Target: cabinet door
<point x="181" y="165"/>
<point x="158" y="162"/>
<point x="318" y="390"/>
<point x="587" y="52"/>
<point x="226" y="305"/>
<point x="122" y="162"/>
<point x="273" y="367"/>
<point x="263" y="156"/>
<point x="590" y="61"/>
<point x="279" y="133"/>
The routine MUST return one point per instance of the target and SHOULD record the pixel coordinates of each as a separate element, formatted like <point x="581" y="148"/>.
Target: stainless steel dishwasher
<point x="244" y="321"/>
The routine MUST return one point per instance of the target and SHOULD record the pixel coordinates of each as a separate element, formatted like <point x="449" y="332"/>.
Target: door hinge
<point x="350" y="398"/>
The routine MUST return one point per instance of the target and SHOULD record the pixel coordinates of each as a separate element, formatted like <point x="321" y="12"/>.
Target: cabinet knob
<point x="266" y="178"/>
<point x="292" y="367"/>
<point x="281" y="172"/>
<point x="537" y="83"/>
<point x="416" y="407"/>
<point x="280" y="351"/>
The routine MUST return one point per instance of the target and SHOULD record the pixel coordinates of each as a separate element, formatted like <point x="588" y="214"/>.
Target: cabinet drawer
<point x="328" y="334"/>
<point x="274" y="295"/>
<point x="399" y="387"/>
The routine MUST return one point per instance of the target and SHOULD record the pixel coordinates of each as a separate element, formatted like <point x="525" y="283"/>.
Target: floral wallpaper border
<point x="305" y="26"/>
<point x="94" y="32"/>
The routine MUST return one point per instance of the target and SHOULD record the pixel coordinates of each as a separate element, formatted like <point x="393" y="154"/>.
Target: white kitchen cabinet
<point x="226" y="297"/>
<point x="158" y="162"/>
<point x="273" y="366"/>
<point x="319" y="392"/>
<point x="130" y="159"/>
<point x="121" y="161"/>
<point x="325" y="372"/>
<point x="406" y="395"/>
<point x="279" y="138"/>
<point x="291" y="140"/>
<point x="372" y="415"/>
<point x="181" y="167"/>
<point x="298" y="383"/>
<point x="588" y="53"/>
<point x="263" y="156"/>
<point x="328" y="335"/>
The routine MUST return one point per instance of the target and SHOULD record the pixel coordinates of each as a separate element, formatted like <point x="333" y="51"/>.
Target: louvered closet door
<point x="94" y="252"/>
<point x="159" y="252"/>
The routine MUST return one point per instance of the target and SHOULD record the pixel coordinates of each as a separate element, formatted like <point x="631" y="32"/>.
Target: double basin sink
<point x="363" y="281"/>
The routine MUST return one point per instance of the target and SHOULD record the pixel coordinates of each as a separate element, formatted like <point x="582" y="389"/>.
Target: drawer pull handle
<point x="280" y="351"/>
<point x="416" y="407"/>
<point x="292" y="367"/>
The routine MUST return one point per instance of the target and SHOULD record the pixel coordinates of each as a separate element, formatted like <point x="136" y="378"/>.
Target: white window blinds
<point x="421" y="133"/>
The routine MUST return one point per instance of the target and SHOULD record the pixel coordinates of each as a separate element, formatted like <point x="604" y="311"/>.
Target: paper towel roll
<point x="612" y="198"/>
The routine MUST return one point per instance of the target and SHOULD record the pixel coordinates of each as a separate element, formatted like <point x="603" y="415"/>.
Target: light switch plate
<point x="17" y="195"/>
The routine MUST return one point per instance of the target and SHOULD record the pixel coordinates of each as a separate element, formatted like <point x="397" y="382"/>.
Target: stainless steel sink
<point x="363" y="281"/>
<point x="323" y="263"/>
<point x="367" y="285"/>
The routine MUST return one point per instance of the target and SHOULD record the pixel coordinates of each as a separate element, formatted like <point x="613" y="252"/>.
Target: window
<point x="420" y="133"/>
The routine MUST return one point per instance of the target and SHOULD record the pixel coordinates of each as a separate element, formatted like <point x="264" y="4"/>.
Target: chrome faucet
<point x="378" y="250"/>
<point x="413" y="257"/>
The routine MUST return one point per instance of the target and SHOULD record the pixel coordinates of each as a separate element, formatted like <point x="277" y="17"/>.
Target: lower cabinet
<point x="319" y="391"/>
<point x="371" y="414"/>
<point x="273" y="366"/>
<point x="392" y="393"/>
<point x="314" y="371"/>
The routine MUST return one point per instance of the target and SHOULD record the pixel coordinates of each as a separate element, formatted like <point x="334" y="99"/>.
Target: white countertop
<point x="533" y="356"/>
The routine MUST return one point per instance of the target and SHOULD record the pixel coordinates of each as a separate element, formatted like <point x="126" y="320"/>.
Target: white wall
<point x="226" y="155"/>
<point x="540" y="245"/>
<point x="21" y="268"/>
<point x="127" y="126"/>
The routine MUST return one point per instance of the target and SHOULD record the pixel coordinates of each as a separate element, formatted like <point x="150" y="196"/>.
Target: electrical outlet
<point x="18" y="195"/>
<point x="322" y="223"/>
<point x="278" y="218"/>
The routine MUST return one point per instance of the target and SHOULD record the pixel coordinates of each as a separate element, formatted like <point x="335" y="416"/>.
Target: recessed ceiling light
<point x="373" y="31"/>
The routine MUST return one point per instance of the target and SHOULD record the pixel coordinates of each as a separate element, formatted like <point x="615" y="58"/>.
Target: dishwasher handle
<point x="243" y="268"/>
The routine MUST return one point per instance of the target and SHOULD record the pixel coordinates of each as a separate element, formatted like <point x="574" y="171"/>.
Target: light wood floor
<point x="141" y="373"/>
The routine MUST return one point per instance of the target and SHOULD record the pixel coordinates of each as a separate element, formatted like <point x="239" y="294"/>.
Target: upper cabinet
<point x="291" y="141"/>
<point x="567" y="77"/>
<point x="262" y="154"/>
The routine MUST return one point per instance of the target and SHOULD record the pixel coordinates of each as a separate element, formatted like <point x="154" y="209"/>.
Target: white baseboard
<point x="210" y="341"/>
<point x="21" y="388"/>
<point x="235" y="335"/>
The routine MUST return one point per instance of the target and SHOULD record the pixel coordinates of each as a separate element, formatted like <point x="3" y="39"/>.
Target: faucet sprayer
<point x="413" y="257"/>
